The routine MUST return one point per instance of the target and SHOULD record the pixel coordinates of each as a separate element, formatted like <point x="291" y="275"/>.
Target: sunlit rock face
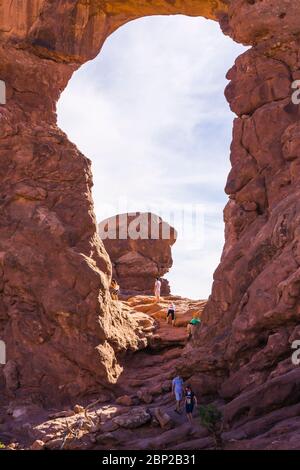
<point x="75" y="30"/>
<point x="62" y="331"/>
<point x="139" y="247"/>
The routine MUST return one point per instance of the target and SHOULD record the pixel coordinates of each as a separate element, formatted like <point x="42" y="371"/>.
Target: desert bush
<point x="211" y="418"/>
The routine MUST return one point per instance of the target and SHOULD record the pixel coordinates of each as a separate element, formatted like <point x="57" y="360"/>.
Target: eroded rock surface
<point x="136" y="412"/>
<point x="139" y="247"/>
<point x="61" y="329"/>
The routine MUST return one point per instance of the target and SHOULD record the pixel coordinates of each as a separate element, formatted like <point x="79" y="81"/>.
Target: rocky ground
<point x="138" y="413"/>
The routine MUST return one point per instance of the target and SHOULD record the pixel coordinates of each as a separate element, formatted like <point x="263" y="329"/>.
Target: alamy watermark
<point x="2" y="92"/>
<point x="296" y="93"/>
<point x="2" y="352"/>
<point x="187" y="220"/>
<point x="296" y="353"/>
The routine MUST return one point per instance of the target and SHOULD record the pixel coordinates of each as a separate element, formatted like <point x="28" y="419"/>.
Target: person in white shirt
<point x="177" y="390"/>
<point x="157" y="287"/>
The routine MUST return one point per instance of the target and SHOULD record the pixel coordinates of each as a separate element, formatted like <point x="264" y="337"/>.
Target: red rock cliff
<point x="56" y="315"/>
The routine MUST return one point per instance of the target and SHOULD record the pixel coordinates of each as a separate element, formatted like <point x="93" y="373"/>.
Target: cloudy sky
<point x="150" y="113"/>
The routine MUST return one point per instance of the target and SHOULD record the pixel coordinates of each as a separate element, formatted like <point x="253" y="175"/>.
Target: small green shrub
<point x="2" y="446"/>
<point x="211" y="418"/>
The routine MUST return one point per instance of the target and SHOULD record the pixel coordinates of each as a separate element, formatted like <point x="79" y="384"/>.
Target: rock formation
<point x="139" y="247"/>
<point x="138" y="410"/>
<point x="56" y="317"/>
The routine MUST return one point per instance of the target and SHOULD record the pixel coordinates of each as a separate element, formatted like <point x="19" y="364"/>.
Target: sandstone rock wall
<point x="252" y="316"/>
<point x="139" y="247"/>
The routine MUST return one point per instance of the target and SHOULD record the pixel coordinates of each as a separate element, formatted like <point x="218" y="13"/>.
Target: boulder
<point x="165" y="421"/>
<point x="135" y="419"/>
<point x="137" y="257"/>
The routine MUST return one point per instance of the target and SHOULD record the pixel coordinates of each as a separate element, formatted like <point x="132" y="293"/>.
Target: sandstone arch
<point x="55" y="315"/>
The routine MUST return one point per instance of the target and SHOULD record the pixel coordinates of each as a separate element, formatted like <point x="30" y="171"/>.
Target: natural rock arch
<point x="61" y="330"/>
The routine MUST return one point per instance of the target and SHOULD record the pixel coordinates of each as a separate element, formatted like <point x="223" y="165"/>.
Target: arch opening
<point x="150" y="112"/>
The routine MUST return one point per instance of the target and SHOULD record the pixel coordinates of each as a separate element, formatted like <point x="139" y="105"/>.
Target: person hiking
<point x="177" y="390"/>
<point x="190" y="402"/>
<point x="171" y="313"/>
<point x="114" y="289"/>
<point x="157" y="287"/>
<point x="192" y="326"/>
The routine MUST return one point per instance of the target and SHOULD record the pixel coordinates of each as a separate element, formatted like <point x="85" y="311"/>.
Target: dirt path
<point x="150" y="368"/>
<point x="148" y="373"/>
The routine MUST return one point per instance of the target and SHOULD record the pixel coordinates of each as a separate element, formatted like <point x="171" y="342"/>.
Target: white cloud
<point x="150" y="113"/>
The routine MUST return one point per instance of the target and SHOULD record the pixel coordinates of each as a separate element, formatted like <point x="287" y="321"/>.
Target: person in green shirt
<point x="192" y="326"/>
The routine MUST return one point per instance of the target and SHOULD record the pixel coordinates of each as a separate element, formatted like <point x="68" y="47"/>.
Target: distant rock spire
<point x="139" y="246"/>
